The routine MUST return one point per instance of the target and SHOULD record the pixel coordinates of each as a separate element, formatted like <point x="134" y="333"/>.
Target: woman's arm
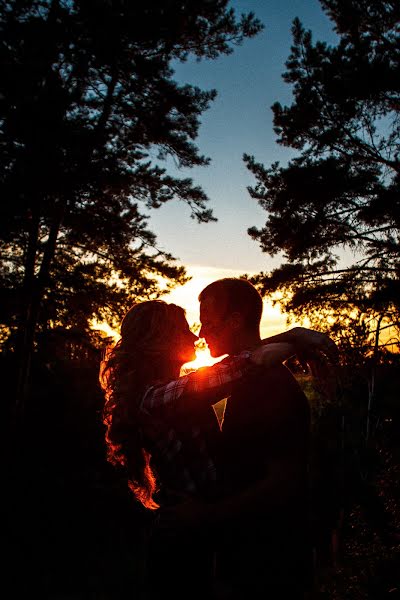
<point x="211" y="384"/>
<point x="307" y="343"/>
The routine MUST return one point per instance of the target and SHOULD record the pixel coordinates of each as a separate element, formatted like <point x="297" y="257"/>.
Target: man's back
<point x="265" y="436"/>
<point x="268" y="414"/>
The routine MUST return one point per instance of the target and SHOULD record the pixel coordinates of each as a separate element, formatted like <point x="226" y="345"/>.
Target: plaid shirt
<point x="172" y="413"/>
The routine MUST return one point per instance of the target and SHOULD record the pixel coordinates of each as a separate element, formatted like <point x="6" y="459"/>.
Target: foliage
<point x="89" y="110"/>
<point x="340" y="196"/>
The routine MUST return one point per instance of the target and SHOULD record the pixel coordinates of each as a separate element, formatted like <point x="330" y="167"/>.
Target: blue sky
<point x="239" y="121"/>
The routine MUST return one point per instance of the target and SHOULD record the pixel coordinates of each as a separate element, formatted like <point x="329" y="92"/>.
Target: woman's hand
<point x="309" y="343"/>
<point x="317" y="353"/>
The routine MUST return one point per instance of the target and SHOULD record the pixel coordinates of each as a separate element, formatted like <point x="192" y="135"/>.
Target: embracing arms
<point x="308" y="345"/>
<point x="211" y="384"/>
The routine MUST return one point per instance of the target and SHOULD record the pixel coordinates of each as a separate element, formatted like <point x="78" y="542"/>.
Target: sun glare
<point x="203" y="359"/>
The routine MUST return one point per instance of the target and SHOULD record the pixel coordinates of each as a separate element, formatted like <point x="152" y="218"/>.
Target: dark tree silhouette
<point x="88" y="111"/>
<point x="342" y="191"/>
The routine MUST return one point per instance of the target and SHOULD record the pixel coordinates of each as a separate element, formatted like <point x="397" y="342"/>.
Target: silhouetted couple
<point x="231" y="502"/>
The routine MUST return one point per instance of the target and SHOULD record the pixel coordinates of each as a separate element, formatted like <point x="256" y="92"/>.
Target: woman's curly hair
<point x="140" y="358"/>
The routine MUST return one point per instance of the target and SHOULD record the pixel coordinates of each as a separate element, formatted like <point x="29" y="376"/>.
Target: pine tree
<point x="88" y="111"/>
<point x="340" y="196"/>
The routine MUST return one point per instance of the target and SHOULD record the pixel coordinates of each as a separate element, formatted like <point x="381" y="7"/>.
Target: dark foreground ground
<point x="71" y="530"/>
<point x="367" y="560"/>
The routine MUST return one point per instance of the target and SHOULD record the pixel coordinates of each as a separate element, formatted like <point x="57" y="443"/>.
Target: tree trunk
<point x="37" y="285"/>
<point x="23" y="342"/>
<point x="371" y="386"/>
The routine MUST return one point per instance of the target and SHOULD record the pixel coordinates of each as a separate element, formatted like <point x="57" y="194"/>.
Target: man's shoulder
<point x="275" y="390"/>
<point x="277" y="376"/>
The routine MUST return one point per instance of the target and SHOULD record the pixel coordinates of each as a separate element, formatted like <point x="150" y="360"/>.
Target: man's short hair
<point x="233" y="294"/>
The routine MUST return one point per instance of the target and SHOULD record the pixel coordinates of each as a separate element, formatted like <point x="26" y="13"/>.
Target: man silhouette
<point x="262" y="514"/>
<point x="257" y="510"/>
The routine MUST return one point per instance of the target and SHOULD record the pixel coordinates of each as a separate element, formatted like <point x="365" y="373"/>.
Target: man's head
<point x="230" y="315"/>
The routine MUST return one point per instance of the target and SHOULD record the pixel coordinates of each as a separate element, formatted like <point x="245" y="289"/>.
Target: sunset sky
<point x="240" y="120"/>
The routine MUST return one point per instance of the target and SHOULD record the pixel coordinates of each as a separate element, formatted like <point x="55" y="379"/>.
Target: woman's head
<point x="155" y="342"/>
<point x="158" y="330"/>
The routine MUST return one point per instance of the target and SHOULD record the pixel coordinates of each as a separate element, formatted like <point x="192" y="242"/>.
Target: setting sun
<point x="203" y="359"/>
